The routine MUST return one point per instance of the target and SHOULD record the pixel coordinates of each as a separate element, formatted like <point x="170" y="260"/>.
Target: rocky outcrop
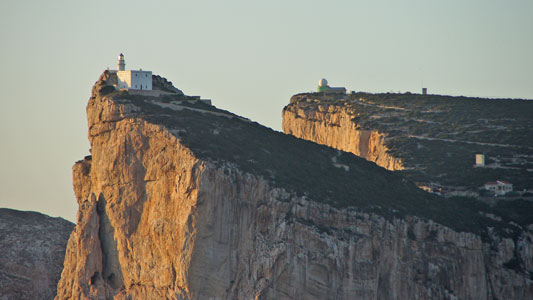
<point x="333" y="126"/>
<point x="161" y="83"/>
<point x="185" y="201"/>
<point x="32" y="250"/>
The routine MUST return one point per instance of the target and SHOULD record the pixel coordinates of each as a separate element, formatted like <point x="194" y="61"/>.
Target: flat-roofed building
<point x="499" y="187"/>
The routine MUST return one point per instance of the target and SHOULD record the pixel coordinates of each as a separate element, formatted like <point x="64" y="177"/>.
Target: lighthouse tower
<point x="121" y="64"/>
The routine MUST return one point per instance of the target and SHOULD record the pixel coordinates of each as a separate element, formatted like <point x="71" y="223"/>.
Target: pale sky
<point x="249" y="57"/>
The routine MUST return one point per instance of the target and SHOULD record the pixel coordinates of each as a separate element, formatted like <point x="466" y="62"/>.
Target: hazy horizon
<point x="248" y="57"/>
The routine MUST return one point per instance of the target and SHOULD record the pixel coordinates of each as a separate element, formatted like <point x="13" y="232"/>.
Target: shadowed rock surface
<point x="181" y="200"/>
<point x="32" y="251"/>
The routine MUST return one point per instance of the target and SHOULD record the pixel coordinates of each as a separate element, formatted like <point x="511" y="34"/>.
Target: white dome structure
<point x="323" y="87"/>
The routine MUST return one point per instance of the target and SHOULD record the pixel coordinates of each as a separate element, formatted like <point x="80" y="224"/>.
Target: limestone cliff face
<point x="32" y="250"/>
<point x="163" y="216"/>
<point x="333" y="126"/>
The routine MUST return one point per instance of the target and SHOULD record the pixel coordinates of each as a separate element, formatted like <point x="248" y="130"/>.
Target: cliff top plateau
<point x="433" y="139"/>
<point x="32" y="247"/>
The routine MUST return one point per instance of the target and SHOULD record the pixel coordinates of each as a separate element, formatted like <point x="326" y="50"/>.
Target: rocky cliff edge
<point x="181" y="200"/>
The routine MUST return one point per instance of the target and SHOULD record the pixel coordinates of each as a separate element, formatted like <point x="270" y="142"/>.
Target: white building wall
<point x="499" y="188"/>
<point x="141" y="80"/>
<point x="135" y="80"/>
<point x="123" y="79"/>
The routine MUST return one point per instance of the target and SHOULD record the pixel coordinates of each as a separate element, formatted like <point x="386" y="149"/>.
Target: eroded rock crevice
<point x="111" y="268"/>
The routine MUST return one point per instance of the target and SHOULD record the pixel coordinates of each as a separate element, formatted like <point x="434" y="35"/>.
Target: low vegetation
<point x="437" y="137"/>
<point x="307" y="169"/>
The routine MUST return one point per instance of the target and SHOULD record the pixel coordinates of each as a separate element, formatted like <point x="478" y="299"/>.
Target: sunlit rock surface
<point x="333" y="126"/>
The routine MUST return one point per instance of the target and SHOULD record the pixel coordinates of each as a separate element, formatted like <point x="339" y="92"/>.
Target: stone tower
<point x="121" y="65"/>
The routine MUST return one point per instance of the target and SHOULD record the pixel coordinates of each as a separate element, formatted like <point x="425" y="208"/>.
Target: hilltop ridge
<point x="431" y="139"/>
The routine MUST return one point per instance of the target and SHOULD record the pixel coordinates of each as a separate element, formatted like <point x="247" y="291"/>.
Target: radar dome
<point x="322" y="82"/>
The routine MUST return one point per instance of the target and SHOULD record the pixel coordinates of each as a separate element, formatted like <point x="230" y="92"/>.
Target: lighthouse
<point x="121" y="64"/>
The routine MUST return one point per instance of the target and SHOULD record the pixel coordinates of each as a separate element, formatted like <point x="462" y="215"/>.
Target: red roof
<point x="504" y="182"/>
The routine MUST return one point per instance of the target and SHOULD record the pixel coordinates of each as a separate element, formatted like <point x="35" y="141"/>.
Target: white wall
<point x="133" y="79"/>
<point x="124" y="79"/>
<point x="141" y="78"/>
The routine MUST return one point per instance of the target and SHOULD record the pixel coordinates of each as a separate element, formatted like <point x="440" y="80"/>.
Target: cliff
<point x="181" y="200"/>
<point x="333" y="126"/>
<point x="32" y="250"/>
<point x="430" y="139"/>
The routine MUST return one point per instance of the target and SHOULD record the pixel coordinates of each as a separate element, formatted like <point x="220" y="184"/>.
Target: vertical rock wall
<point x="334" y="127"/>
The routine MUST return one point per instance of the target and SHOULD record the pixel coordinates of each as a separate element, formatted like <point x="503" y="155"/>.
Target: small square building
<point x="480" y="160"/>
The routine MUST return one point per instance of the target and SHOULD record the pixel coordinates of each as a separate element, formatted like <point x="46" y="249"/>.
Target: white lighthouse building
<point x="132" y="79"/>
